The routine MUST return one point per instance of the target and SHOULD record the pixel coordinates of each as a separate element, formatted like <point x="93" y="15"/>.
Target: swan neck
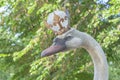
<point x="99" y="60"/>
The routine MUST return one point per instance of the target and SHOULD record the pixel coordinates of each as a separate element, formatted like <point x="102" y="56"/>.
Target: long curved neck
<point x="98" y="57"/>
<point x="96" y="53"/>
<point x="100" y="63"/>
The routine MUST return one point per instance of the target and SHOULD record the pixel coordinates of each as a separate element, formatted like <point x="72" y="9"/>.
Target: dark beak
<point x="53" y="49"/>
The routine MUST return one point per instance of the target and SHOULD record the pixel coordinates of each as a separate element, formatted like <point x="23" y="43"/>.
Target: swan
<point x="72" y="39"/>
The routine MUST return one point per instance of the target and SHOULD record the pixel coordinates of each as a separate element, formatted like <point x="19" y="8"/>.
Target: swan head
<point x="67" y="41"/>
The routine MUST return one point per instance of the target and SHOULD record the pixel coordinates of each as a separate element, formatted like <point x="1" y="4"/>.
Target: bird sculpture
<point x="70" y="38"/>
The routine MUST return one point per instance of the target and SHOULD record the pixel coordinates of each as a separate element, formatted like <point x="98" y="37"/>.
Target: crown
<point x="58" y="22"/>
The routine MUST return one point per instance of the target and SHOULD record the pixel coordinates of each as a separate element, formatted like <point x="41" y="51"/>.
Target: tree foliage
<point x="23" y="36"/>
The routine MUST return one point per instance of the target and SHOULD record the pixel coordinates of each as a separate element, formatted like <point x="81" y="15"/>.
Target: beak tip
<point x="43" y="54"/>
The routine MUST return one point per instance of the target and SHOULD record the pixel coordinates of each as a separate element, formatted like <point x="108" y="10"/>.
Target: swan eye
<point x="58" y="40"/>
<point x="68" y="38"/>
<point x="55" y="40"/>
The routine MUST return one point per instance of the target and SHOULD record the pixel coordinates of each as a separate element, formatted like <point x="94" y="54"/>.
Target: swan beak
<point x="53" y="49"/>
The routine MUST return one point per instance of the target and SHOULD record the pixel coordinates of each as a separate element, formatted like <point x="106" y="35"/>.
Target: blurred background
<point x="23" y="36"/>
